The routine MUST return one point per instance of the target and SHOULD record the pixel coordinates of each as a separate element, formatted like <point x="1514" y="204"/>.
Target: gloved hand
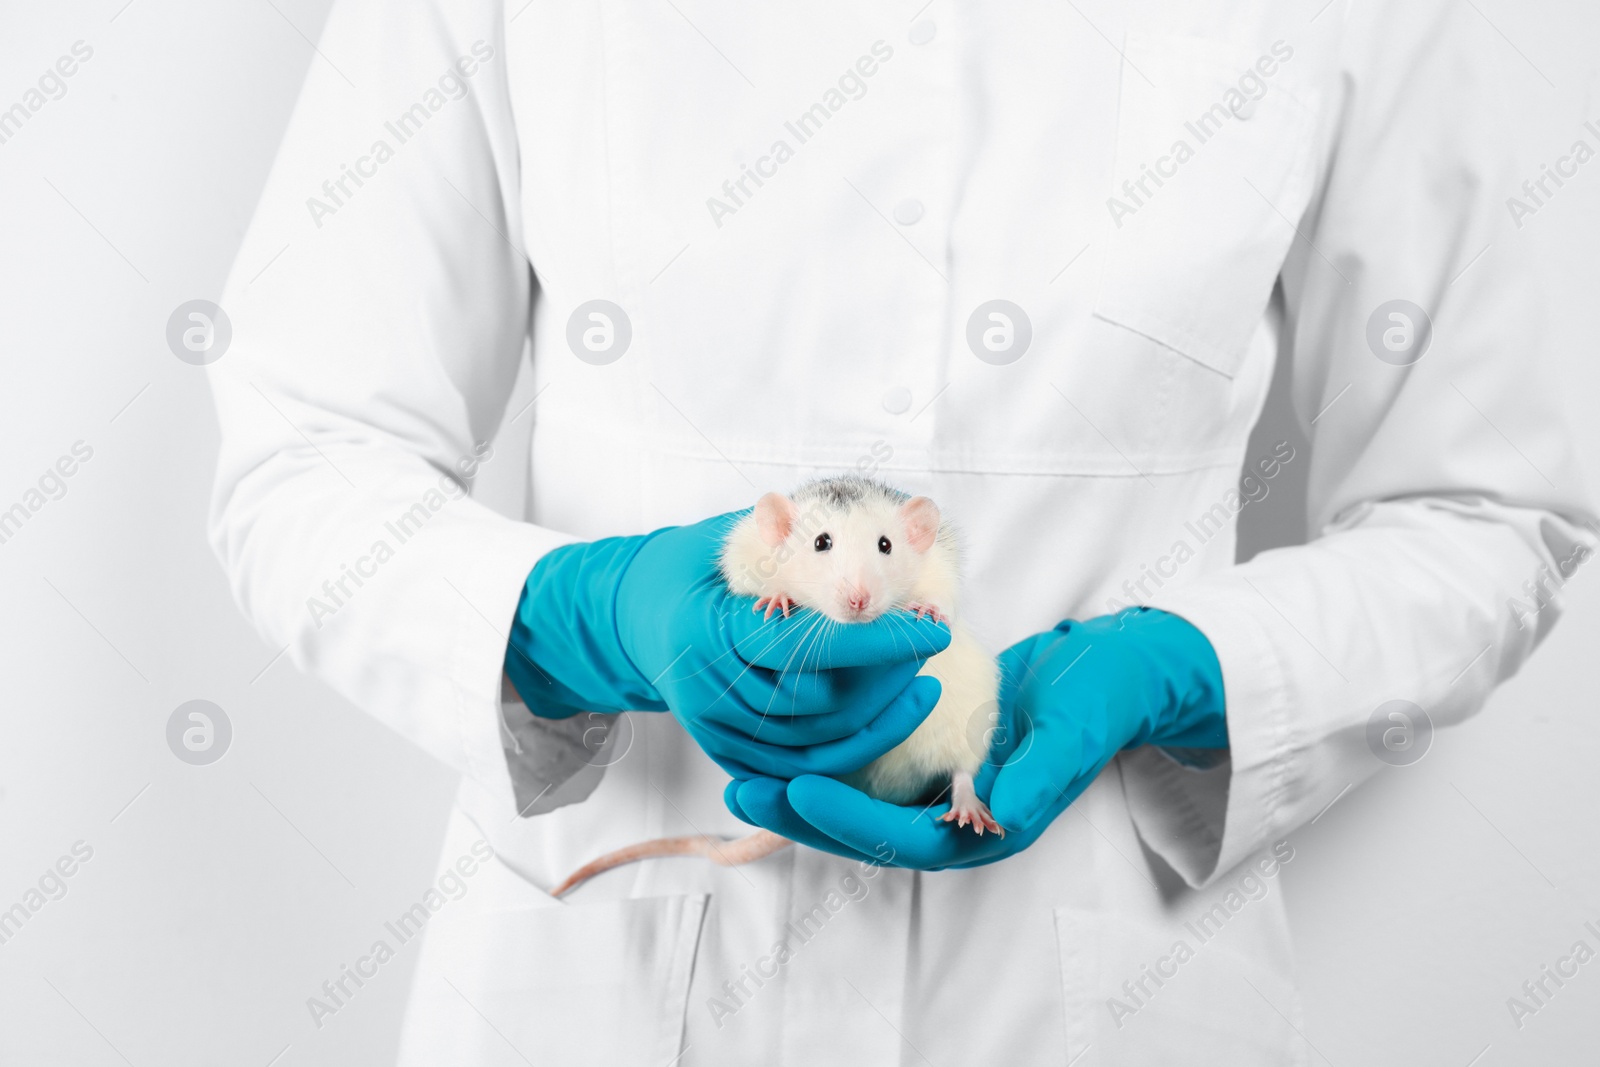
<point x="1070" y="700"/>
<point x="647" y="624"/>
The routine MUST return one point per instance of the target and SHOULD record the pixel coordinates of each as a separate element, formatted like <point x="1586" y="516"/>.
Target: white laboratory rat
<point x="853" y="550"/>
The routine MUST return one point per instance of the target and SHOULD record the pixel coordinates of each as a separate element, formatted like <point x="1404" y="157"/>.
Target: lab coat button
<point x="922" y="32"/>
<point x="907" y="212"/>
<point x="897" y="401"/>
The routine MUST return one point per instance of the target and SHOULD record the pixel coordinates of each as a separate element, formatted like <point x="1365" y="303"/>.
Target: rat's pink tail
<point x="718" y="850"/>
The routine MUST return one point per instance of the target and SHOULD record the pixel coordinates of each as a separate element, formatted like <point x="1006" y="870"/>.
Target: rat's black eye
<point x="823" y="542"/>
<point x="884" y="546"/>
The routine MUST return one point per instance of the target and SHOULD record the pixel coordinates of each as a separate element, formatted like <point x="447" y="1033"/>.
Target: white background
<point x="221" y="897"/>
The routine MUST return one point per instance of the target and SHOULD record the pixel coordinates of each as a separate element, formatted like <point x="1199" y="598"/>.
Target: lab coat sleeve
<point x="1445" y="505"/>
<point x="379" y="307"/>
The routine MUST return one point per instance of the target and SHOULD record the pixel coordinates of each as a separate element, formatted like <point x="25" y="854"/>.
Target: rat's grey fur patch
<point x="843" y="490"/>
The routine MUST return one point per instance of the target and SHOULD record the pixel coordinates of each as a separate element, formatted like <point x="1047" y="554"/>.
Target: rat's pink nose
<point x="858" y="600"/>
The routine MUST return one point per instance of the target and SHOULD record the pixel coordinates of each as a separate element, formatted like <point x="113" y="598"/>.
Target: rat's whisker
<point x="809" y="639"/>
<point x="777" y="639"/>
<point x="785" y="669"/>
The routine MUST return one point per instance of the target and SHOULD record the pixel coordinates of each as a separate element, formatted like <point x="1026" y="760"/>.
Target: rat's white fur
<point x="855" y="512"/>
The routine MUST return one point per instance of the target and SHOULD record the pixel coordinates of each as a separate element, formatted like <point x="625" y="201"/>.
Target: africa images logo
<point x="453" y="84"/>
<point x="851" y="85"/>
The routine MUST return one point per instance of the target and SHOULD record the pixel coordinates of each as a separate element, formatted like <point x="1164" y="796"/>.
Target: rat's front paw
<point x="780" y="602"/>
<point x="930" y="610"/>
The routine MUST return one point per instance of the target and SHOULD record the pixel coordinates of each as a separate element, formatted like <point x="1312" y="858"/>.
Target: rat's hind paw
<point x="977" y="814"/>
<point x="781" y="602"/>
<point x="965" y="807"/>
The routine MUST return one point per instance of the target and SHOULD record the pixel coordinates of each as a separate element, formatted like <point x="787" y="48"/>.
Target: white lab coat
<point x="817" y="321"/>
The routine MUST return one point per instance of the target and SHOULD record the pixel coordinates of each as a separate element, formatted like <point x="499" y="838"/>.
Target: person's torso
<point x="1024" y="265"/>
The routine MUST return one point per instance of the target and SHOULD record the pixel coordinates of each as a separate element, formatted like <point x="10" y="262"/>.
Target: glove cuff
<point x="1188" y="704"/>
<point x="565" y="653"/>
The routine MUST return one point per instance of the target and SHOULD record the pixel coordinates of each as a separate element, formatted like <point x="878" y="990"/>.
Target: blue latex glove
<point x="648" y="624"/>
<point x="1070" y="700"/>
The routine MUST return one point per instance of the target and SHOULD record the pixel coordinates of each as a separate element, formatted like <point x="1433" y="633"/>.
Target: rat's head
<point x="850" y="559"/>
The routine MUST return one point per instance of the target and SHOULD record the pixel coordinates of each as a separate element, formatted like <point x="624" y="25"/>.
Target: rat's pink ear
<point x="921" y="517"/>
<point x="775" y="515"/>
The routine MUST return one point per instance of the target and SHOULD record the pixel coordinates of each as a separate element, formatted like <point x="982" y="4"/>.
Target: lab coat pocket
<point x="599" y="983"/>
<point x="1215" y="163"/>
<point x="1136" y="993"/>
